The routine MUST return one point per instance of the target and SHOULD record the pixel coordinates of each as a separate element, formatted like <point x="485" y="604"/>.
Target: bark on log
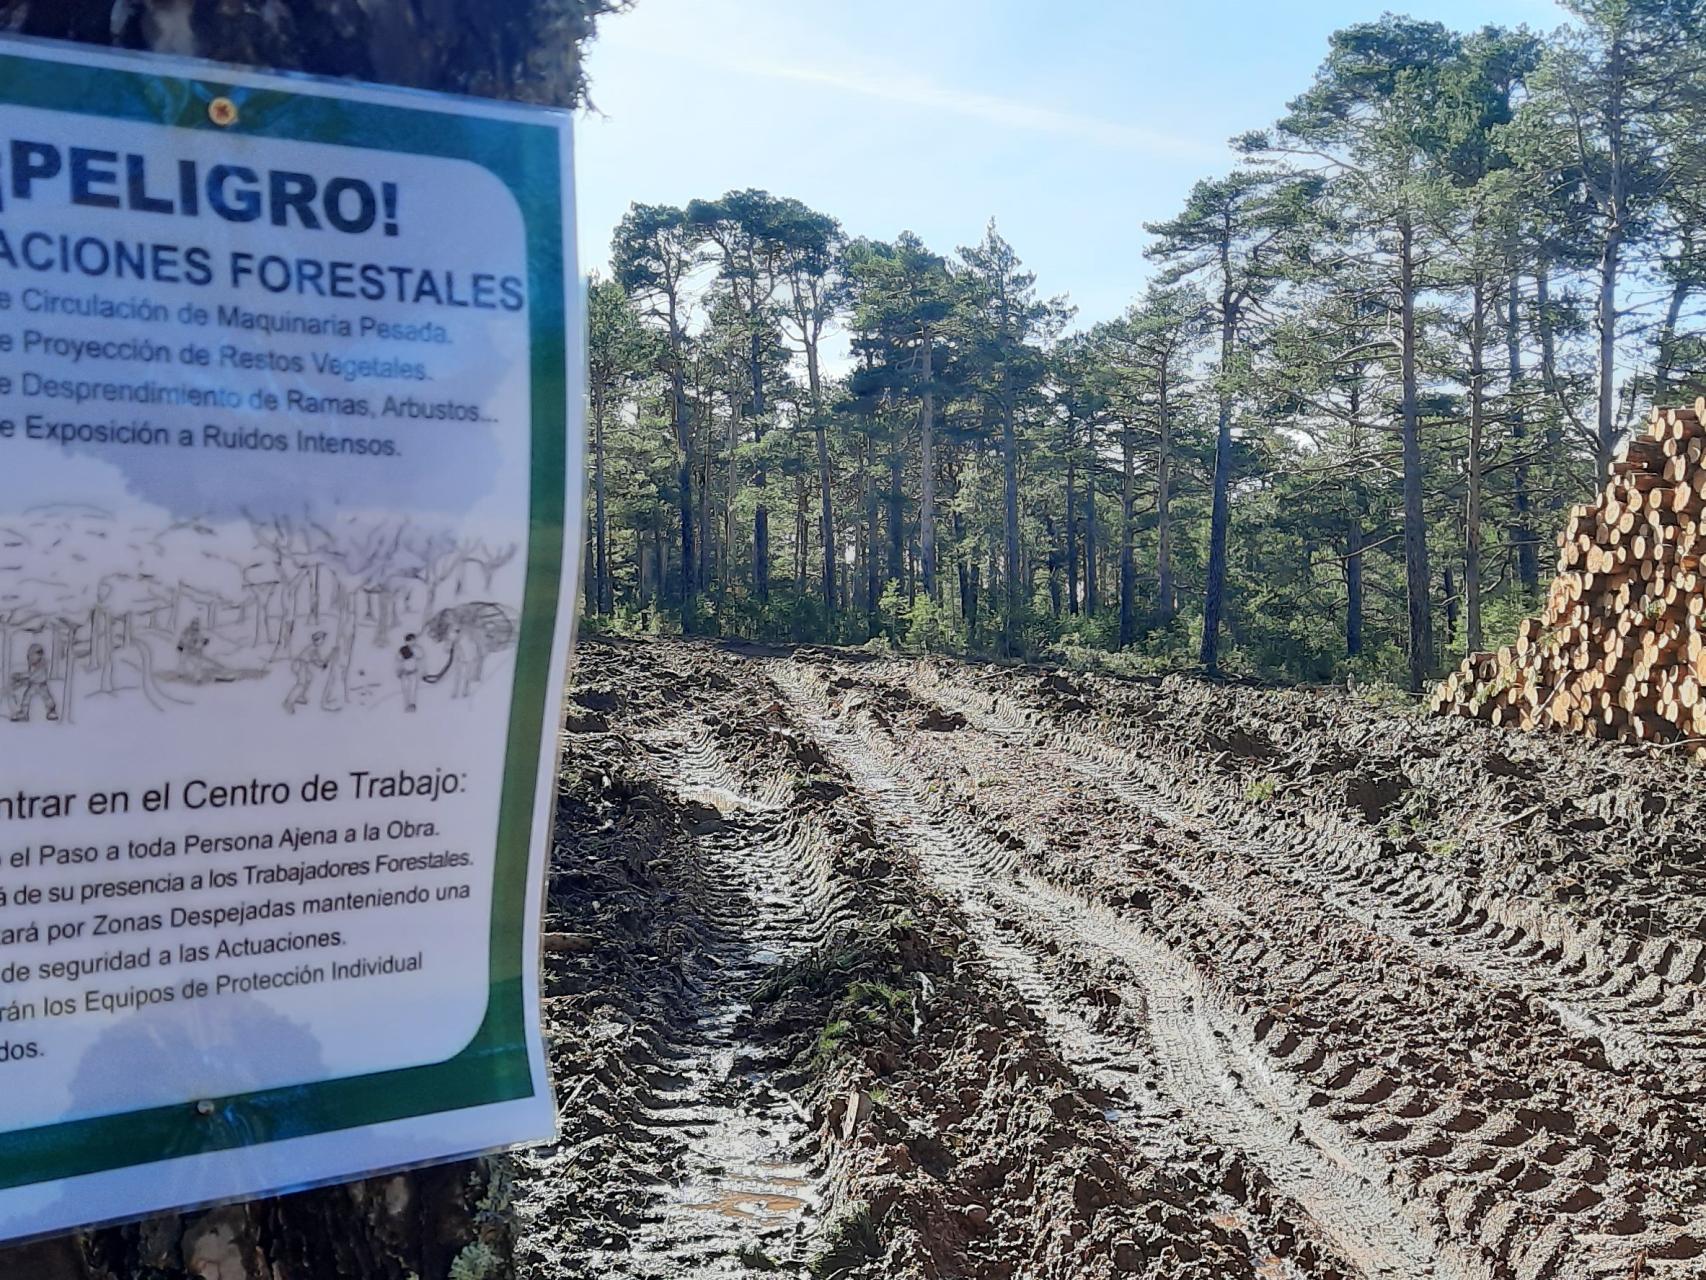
<point x="1620" y="647"/>
<point x="408" y="1225"/>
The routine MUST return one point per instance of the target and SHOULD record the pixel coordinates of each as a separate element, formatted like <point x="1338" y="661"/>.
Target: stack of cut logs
<point x="1621" y="649"/>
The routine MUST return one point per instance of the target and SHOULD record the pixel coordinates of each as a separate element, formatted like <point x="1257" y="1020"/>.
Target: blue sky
<point x="1070" y="123"/>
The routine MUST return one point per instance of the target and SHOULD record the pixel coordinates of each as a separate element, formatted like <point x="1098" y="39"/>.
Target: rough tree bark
<point x="1071" y="515"/>
<point x="1010" y="522"/>
<point x="1475" y="462"/>
<point x="1522" y="535"/>
<point x="405" y="1225"/>
<point x="1090" y="538"/>
<point x="1220" y="512"/>
<point x="1415" y="526"/>
<point x="1128" y="536"/>
<point x="1166" y="604"/>
<point x="927" y="469"/>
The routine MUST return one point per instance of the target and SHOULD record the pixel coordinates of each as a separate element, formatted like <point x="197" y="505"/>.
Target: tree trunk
<point x="1605" y="427"/>
<point x="1451" y="611"/>
<point x="1091" y="542"/>
<point x="873" y="591"/>
<point x="1605" y="310"/>
<point x="683" y="475"/>
<point x="801" y="539"/>
<point x="896" y="501"/>
<point x="1477" y="427"/>
<point x="760" y="478"/>
<point x="1010" y="524"/>
<point x="1220" y="515"/>
<point x="726" y="564"/>
<point x="600" y="521"/>
<point x="1353" y="581"/>
<point x="826" y="507"/>
<point x="1054" y="559"/>
<point x="963" y="574"/>
<point x="826" y="520"/>
<point x="1679" y="291"/>
<point x="1548" y="364"/>
<point x="1415" y="528"/>
<point x="1071" y="519"/>
<point x="1128" y="537"/>
<point x="707" y="535"/>
<point x="414" y="1223"/>
<point x="1522" y="533"/>
<point x="1166" y="604"/>
<point x="927" y="471"/>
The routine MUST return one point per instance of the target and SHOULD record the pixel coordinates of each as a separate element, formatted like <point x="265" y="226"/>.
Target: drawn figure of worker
<point x="32" y="683"/>
<point x="194" y="665"/>
<point x="409" y="671"/>
<point x="303" y="667"/>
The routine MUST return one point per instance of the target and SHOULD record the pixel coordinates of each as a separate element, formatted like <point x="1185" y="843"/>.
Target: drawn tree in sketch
<point x="119" y="607"/>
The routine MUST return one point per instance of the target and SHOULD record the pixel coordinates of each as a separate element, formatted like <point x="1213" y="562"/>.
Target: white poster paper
<point x="290" y="442"/>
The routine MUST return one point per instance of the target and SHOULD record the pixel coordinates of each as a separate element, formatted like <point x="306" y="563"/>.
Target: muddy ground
<point x="866" y="967"/>
<point x="862" y="967"/>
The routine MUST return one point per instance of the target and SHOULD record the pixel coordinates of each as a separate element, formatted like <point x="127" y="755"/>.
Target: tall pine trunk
<point x="1128" y="537"/>
<point x="600" y="521"/>
<point x="1166" y="604"/>
<point x="1477" y="430"/>
<point x="1010" y="522"/>
<point x="683" y="426"/>
<point x="410" y="1224"/>
<point x="1353" y="578"/>
<point x="1681" y="288"/>
<point x="927" y="470"/>
<point x="760" y="478"/>
<point x="873" y="592"/>
<point x="826" y="497"/>
<point x="1415" y="526"/>
<point x="1522" y="531"/>
<point x="1549" y="364"/>
<point x="1092" y="542"/>
<point x="1071" y="517"/>
<point x="1610" y="262"/>
<point x="1220" y="515"/>
<point x="1354" y="517"/>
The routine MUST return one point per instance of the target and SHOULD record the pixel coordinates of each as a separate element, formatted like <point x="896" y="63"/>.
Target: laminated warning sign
<point x="290" y="479"/>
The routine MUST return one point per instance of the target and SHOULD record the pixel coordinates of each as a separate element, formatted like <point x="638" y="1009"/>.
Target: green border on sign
<point x="495" y="1066"/>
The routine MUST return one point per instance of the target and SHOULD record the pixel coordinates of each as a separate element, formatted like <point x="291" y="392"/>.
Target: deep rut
<point x="1045" y="979"/>
<point x="747" y="1182"/>
<point x="1205" y="1070"/>
<point x="740" y="1187"/>
<point x="1656" y="1018"/>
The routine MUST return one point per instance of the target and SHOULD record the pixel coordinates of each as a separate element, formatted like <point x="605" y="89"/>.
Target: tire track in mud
<point x="1585" y="1174"/>
<point x="1594" y="993"/>
<point x="744" y="1183"/>
<point x="1209" y="1071"/>
<point x="699" y="1152"/>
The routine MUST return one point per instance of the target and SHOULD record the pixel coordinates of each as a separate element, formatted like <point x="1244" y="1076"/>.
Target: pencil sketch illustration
<point x="323" y="614"/>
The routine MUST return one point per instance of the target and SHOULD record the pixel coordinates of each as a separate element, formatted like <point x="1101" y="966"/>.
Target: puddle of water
<point x="721" y="799"/>
<point x="751" y="1206"/>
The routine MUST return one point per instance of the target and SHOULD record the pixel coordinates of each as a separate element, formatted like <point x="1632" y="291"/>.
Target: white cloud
<point x="1006" y="112"/>
<point x="690" y="34"/>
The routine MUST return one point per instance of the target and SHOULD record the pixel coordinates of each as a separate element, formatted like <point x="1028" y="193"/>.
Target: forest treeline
<point x="1336" y="434"/>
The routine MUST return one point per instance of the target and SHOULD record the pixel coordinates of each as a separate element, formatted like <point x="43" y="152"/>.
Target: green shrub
<point x="849" y="1240"/>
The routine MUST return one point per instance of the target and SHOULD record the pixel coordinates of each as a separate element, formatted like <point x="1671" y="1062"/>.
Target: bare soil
<point x="862" y="967"/>
<point x="867" y="967"/>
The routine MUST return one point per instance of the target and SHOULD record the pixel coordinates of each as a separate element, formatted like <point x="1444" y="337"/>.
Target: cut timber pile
<point x="1621" y="650"/>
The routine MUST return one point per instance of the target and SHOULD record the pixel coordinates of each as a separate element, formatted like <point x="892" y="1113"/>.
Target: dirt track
<point x="919" y="969"/>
